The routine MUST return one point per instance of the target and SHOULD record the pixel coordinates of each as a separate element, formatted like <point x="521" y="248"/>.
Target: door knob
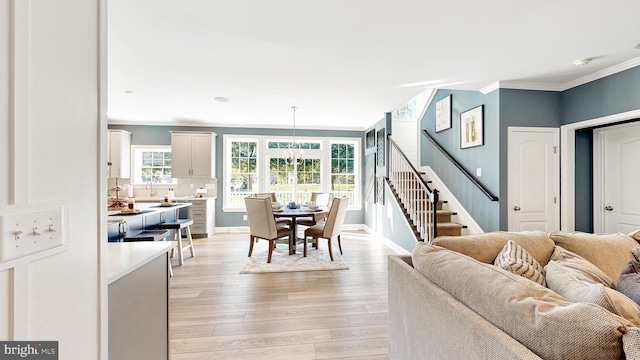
<point x="516" y="208"/>
<point x="608" y="208"/>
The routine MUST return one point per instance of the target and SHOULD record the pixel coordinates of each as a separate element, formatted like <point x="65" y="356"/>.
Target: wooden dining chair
<point x="262" y="225"/>
<point x="331" y="228"/>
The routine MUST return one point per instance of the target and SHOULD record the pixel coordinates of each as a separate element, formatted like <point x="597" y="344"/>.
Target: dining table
<point x="302" y="212"/>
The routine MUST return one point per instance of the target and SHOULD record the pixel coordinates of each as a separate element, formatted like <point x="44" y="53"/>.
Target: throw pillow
<point x="609" y="252"/>
<point x="580" y="266"/>
<point x="517" y="260"/>
<point x="580" y="288"/>
<point x="635" y="235"/>
<point x="629" y="280"/>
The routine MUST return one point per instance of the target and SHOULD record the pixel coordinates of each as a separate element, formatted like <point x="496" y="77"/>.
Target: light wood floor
<point x="217" y="313"/>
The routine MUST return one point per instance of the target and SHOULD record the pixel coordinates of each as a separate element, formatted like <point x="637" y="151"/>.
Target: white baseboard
<point x="393" y="246"/>
<point x="462" y="216"/>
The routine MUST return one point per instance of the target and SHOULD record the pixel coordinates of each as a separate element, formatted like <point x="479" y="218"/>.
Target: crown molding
<point x="601" y="74"/>
<point x="523" y="85"/>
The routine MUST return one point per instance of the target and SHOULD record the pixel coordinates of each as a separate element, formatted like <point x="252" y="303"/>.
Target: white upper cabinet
<point x="119" y="145"/>
<point x="193" y="154"/>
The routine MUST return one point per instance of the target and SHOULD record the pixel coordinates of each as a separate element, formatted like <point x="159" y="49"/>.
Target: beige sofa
<point x="448" y="301"/>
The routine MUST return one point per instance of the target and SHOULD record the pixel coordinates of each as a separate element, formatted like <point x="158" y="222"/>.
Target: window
<point x="257" y="164"/>
<point x="344" y="171"/>
<point x="242" y="170"/>
<point x="152" y="164"/>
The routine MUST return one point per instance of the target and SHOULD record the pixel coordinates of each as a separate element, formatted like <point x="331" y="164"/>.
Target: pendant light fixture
<point x="294" y="153"/>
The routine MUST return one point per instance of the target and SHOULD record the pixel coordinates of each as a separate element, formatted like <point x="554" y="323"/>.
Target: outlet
<point x="244" y="218"/>
<point x="479" y="172"/>
<point x="191" y="186"/>
<point x="30" y="229"/>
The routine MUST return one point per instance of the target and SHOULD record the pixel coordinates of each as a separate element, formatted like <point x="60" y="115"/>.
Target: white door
<point x="617" y="197"/>
<point x="533" y="179"/>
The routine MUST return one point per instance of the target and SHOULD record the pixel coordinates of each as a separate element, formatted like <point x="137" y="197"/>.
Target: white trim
<point x="556" y="179"/>
<point x="114" y="120"/>
<point x="602" y="74"/>
<point x="567" y="162"/>
<point x="523" y="85"/>
<point x="598" y="180"/>
<point x="463" y="217"/>
<point x="393" y="246"/>
<point x="19" y="101"/>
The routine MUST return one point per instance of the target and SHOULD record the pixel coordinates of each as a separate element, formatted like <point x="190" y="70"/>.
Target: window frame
<point x="136" y="165"/>
<point x="264" y="154"/>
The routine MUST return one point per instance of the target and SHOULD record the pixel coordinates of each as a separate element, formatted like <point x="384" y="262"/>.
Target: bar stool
<point x="177" y="226"/>
<point x="150" y="235"/>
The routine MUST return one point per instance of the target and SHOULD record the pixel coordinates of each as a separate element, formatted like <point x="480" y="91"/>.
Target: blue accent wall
<point x="502" y="108"/>
<point x="522" y="108"/>
<point x="482" y="209"/>
<point x="160" y="135"/>
<point x="584" y="180"/>
<point x="613" y="94"/>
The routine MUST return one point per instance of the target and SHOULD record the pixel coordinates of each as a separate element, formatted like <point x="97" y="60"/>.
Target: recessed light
<point x="221" y="99"/>
<point x="582" y="62"/>
<point x="129" y="92"/>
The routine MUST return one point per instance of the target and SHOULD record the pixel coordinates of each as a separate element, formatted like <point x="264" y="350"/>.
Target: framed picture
<point x="472" y="127"/>
<point x="443" y="114"/>
<point x="380" y="142"/>
<point x="370" y="139"/>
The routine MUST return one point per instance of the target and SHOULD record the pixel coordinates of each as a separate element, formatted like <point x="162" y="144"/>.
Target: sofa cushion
<point x="635" y="235"/>
<point x="609" y="252"/>
<point x="636" y="253"/>
<point x="517" y="260"/>
<point x="543" y="321"/>
<point x="485" y="247"/>
<point x="579" y="288"/>
<point x="580" y="266"/>
<point x="629" y="281"/>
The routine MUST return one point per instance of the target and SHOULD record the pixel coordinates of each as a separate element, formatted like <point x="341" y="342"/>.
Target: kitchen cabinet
<point x="138" y="292"/>
<point x="202" y="211"/>
<point x="119" y="154"/>
<point x="193" y="154"/>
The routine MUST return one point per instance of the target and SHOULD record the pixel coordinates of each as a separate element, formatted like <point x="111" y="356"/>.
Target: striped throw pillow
<point x="517" y="260"/>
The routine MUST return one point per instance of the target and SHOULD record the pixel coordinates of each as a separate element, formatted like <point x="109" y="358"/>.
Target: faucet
<point x="150" y="186"/>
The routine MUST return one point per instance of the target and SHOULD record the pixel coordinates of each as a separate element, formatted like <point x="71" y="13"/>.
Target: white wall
<point x="56" y="149"/>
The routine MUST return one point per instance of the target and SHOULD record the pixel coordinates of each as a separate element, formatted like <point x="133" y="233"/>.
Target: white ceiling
<point x="345" y="63"/>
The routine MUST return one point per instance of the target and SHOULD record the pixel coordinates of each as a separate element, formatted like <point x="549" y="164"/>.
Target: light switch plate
<point x="478" y="171"/>
<point x="31" y="228"/>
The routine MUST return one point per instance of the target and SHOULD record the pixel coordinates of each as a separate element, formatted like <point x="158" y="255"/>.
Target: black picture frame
<point x="370" y="139"/>
<point x="472" y="127"/>
<point x="380" y="142"/>
<point x="443" y="114"/>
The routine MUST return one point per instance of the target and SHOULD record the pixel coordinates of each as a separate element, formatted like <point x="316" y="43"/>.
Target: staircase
<point x="420" y="204"/>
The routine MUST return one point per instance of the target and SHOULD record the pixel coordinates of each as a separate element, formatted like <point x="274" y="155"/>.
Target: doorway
<point x="533" y="179"/>
<point x="616" y="198"/>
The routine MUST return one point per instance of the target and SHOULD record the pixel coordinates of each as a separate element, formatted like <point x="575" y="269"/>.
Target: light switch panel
<point x="478" y="171"/>
<point x="30" y="229"/>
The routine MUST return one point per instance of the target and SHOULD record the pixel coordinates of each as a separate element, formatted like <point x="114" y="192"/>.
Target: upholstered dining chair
<point x="272" y="196"/>
<point x="321" y="199"/>
<point x="331" y="228"/>
<point x="262" y="225"/>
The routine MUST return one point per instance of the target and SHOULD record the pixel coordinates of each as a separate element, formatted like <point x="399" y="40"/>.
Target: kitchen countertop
<point x="153" y="208"/>
<point x="128" y="256"/>
<point x="181" y="198"/>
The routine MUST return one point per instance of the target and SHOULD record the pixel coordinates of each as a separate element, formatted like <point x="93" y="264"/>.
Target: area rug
<point x="281" y="261"/>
